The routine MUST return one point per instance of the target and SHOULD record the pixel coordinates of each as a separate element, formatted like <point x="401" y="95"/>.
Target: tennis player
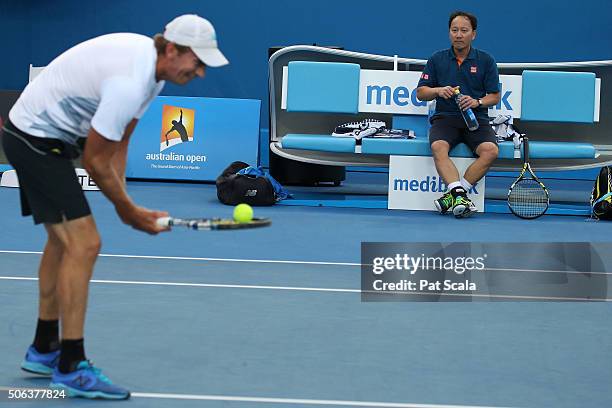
<point x="475" y="72"/>
<point x="95" y="91"/>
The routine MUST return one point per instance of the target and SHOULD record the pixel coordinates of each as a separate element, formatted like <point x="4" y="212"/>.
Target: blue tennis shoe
<point x="40" y="363"/>
<point x="87" y="381"/>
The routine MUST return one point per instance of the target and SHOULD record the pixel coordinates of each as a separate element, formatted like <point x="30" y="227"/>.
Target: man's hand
<point x="445" y="92"/>
<point x="142" y="219"/>
<point x="466" y="102"/>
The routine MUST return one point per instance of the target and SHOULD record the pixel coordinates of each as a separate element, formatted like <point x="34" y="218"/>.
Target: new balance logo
<point x="81" y="381"/>
<point x="250" y="193"/>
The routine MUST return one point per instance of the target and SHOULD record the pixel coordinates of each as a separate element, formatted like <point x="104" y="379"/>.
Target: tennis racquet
<point x="528" y="197"/>
<point x="212" y="223"/>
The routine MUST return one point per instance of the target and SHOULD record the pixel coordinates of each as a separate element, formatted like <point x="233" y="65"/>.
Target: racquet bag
<point x="233" y="188"/>
<point x="601" y="196"/>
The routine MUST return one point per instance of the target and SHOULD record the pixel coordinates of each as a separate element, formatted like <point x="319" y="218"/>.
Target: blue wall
<point x="35" y="31"/>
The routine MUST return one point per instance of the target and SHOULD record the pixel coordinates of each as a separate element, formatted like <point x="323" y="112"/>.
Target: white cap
<point x="197" y="33"/>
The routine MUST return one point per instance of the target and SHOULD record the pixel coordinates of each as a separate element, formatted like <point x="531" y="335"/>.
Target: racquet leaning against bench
<point x="528" y="197"/>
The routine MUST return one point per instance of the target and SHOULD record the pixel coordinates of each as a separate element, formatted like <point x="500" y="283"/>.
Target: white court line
<point x="313" y="289"/>
<point x="186" y="258"/>
<point x="230" y="398"/>
<point x="544" y="271"/>
<point x="302" y="401"/>
<point x="201" y="285"/>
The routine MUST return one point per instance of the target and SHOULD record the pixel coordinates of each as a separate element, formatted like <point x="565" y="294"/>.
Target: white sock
<point x="454" y="184"/>
<point x="466" y="184"/>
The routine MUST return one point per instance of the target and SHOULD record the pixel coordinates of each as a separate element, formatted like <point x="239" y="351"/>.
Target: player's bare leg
<point x="487" y="153"/>
<point x="447" y="171"/>
<point x="48" y="306"/>
<point x="81" y="244"/>
<point x="64" y="272"/>
<point x="444" y="165"/>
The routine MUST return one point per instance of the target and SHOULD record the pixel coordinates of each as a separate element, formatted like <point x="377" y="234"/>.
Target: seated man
<point x="475" y="73"/>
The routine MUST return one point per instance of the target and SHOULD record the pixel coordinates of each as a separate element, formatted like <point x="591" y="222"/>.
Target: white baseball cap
<point x="199" y="34"/>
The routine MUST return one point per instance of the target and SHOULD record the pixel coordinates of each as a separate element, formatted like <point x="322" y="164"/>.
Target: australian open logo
<point x="177" y="126"/>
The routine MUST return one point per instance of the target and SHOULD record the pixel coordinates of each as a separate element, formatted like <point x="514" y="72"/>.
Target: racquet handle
<point x="163" y="222"/>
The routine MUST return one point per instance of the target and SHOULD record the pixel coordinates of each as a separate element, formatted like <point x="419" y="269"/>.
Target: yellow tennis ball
<point x="243" y="213"/>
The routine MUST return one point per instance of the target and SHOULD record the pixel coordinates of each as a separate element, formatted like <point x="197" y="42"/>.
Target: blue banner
<point x="186" y="138"/>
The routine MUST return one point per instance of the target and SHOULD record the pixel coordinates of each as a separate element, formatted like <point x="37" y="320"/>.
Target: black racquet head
<point x="212" y="223"/>
<point x="528" y="198"/>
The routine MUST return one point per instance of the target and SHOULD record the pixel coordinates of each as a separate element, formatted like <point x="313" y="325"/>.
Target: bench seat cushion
<point x="537" y="150"/>
<point x="407" y="147"/>
<point x="420" y="147"/>
<point x="561" y="150"/>
<point x="325" y="143"/>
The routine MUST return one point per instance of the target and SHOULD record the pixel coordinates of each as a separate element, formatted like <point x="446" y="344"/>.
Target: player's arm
<point x="120" y="157"/>
<point x="467" y="101"/>
<point x="491" y="99"/>
<point x="99" y="152"/>
<point x="427" y="93"/>
<point x="97" y="159"/>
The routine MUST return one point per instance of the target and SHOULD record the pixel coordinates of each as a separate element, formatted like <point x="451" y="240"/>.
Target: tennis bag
<point x="233" y="188"/>
<point x="601" y="197"/>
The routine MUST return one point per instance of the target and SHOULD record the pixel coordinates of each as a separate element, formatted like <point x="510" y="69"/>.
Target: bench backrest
<point x="330" y="87"/>
<point x="552" y="96"/>
<point x="333" y="87"/>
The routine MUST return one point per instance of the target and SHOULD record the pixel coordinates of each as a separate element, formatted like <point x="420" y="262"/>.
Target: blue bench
<point x="420" y="147"/>
<point x="330" y="87"/>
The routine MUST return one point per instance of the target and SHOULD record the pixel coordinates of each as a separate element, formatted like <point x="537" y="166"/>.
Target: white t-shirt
<point x="102" y="83"/>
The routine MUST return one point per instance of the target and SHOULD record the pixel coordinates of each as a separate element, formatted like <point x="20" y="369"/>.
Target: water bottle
<point x="431" y="109"/>
<point x="468" y="115"/>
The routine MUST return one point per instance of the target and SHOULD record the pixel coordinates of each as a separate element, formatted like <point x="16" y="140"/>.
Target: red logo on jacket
<point x="473" y="70"/>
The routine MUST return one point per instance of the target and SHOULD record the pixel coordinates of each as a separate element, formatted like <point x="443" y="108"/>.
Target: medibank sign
<point x="395" y="92"/>
<point x="414" y="183"/>
<point x="390" y="92"/>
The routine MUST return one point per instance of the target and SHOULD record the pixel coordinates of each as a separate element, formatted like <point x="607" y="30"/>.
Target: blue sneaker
<point x="40" y="363"/>
<point x="87" y="381"/>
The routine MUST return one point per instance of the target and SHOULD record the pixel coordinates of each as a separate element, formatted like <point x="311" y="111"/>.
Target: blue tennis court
<point x="273" y="317"/>
<point x="359" y="293"/>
